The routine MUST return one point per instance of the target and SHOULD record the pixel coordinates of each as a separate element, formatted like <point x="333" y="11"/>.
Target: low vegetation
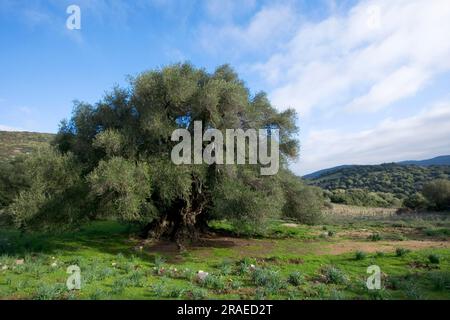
<point x="287" y="261"/>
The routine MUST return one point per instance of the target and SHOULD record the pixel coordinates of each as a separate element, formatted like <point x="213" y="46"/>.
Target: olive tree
<point x="112" y="158"/>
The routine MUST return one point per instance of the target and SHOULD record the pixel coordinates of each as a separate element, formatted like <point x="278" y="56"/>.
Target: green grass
<point x="287" y="262"/>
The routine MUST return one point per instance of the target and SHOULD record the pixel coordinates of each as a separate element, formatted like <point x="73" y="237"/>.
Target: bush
<point x="440" y="280"/>
<point x="295" y="278"/>
<point x="434" y="258"/>
<point x="362" y="197"/>
<point x="416" y="202"/>
<point x="400" y="252"/>
<point x="375" y="237"/>
<point x="269" y="279"/>
<point x="303" y="203"/>
<point x="360" y="255"/>
<point x="333" y="275"/>
<point x="437" y="194"/>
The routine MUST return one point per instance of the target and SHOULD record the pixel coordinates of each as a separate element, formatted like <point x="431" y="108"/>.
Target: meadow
<point x="287" y="261"/>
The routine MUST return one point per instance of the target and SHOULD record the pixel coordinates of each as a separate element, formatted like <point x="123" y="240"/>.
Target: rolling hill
<point x="400" y="179"/>
<point x="15" y="143"/>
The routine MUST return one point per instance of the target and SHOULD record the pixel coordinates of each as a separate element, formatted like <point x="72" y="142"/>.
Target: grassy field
<point x="290" y="261"/>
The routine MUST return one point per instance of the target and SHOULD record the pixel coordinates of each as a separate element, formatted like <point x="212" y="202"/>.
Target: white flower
<point x="54" y="264"/>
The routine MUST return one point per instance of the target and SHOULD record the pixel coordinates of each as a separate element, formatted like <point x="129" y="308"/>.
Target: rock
<point x="54" y="264"/>
<point x="20" y="261"/>
<point x="202" y="275"/>
<point x="252" y="267"/>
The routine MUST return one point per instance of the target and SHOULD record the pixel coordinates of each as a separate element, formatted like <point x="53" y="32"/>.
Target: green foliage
<point x="269" y="279"/>
<point x="400" y="252"/>
<point x="362" y="197"/>
<point x="296" y="278"/>
<point x="400" y="180"/>
<point x="437" y="193"/>
<point x="334" y="275"/>
<point x="13" y="144"/>
<point x="112" y="159"/>
<point x="56" y="195"/>
<point x="375" y="237"/>
<point x="360" y="255"/>
<point x="434" y="258"/>
<point x="122" y="187"/>
<point x="416" y="201"/>
<point x="303" y="203"/>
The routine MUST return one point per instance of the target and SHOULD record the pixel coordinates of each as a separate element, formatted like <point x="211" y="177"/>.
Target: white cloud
<point x="378" y="53"/>
<point x="422" y="135"/>
<point x="8" y="128"/>
<point x="266" y="28"/>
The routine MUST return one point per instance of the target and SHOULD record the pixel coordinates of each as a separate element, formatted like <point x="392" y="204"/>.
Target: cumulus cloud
<point x="382" y="50"/>
<point x="416" y="137"/>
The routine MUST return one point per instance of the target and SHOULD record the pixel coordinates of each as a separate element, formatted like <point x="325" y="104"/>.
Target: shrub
<point x="267" y="278"/>
<point x="225" y="267"/>
<point x="303" y="203"/>
<point x="197" y="294"/>
<point x="295" y="278"/>
<point x="440" y="280"/>
<point x="50" y="292"/>
<point x="360" y="255"/>
<point x="175" y="292"/>
<point x="375" y="237"/>
<point x="434" y="258"/>
<point x="416" y="202"/>
<point x="400" y="252"/>
<point x="214" y="282"/>
<point x="333" y="275"/>
<point x="437" y="194"/>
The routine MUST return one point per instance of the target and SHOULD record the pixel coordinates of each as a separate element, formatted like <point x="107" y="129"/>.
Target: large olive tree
<point x="112" y="159"/>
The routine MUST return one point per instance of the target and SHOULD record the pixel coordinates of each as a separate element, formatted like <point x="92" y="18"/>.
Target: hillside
<point x="401" y="180"/>
<point x="437" y="161"/>
<point x="15" y="143"/>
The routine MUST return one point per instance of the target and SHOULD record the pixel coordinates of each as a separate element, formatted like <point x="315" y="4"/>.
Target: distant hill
<point x="400" y="179"/>
<point x="438" y="161"/>
<point x="15" y="143"/>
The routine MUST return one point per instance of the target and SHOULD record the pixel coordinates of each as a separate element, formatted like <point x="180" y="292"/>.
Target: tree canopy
<point x="112" y="159"/>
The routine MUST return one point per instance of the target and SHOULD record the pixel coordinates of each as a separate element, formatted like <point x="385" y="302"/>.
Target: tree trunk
<point x="183" y="222"/>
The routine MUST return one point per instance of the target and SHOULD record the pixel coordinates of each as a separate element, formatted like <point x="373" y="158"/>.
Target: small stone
<point x="201" y="275"/>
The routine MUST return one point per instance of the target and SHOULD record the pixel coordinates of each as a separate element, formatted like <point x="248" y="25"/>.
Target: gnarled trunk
<point x="185" y="221"/>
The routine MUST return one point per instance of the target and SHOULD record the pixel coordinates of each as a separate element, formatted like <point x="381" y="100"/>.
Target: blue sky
<point x="369" y="79"/>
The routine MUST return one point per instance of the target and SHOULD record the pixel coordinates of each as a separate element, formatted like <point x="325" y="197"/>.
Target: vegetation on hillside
<point x="13" y="144"/>
<point x="400" y="180"/>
